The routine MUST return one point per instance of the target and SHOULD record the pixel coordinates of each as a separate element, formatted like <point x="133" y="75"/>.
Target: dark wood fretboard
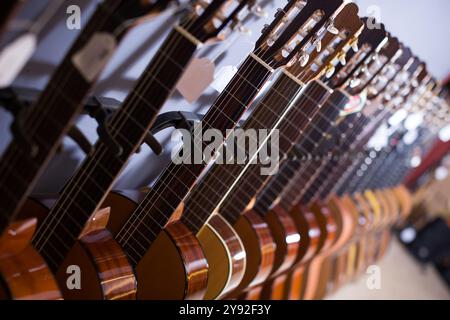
<point x="86" y="190"/>
<point x="48" y="120"/>
<point x="153" y="213"/>
<point x="290" y="128"/>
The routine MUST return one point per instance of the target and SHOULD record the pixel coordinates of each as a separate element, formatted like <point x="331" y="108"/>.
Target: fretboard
<point x="296" y="172"/>
<point x="207" y="194"/>
<point x="86" y="190"/>
<point x="290" y="128"/>
<point x="171" y="187"/>
<point x="48" y="120"/>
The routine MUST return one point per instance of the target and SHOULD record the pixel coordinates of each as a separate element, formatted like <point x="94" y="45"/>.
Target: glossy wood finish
<point x="105" y="270"/>
<point x="288" y="241"/>
<point x="24" y="274"/>
<point x="225" y="254"/>
<point x="315" y="239"/>
<point x="181" y="271"/>
<point x="312" y="280"/>
<point x="260" y="247"/>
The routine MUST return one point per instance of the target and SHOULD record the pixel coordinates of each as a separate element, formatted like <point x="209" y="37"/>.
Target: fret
<point x="51" y="116"/>
<point x="177" y="179"/>
<point x="128" y="126"/>
<point x="206" y="195"/>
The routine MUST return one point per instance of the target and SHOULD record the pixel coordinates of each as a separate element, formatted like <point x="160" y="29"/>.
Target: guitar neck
<point x="87" y="189"/>
<point x="295" y="173"/>
<point x="153" y="213"/>
<point x="207" y="194"/>
<point x="49" y="120"/>
<point x="290" y="128"/>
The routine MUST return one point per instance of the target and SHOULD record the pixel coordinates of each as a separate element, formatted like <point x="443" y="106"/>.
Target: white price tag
<point x="91" y="60"/>
<point x="196" y="78"/>
<point x="14" y="57"/>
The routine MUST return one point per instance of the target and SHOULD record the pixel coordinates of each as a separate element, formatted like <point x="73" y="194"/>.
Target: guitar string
<point x="388" y="110"/>
<point x="145" y="80"/>
<point x="33" y="120"/>
<point x="141" y="202"/>
<point x="232" y="201"/>
<point x="305" y="169"/>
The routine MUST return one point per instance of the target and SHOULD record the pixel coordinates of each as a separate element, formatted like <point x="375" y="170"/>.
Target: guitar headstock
<point x="296" y="30"/>
<point x="382" y="69"/>
<point x="370" y="42"/>
<point x="373" y="68"/>
<point x="342" y="36"/>
<point x="213" y="19"/>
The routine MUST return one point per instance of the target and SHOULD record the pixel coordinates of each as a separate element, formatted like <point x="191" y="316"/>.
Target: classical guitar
<point x="342" y="240"/>
<point x="77" y="210"/>
<point x="279" y="109"/>
<point x="346" y="218"/>
<point x="358" y="202"/>
<point x="164" y="199"/>
<point x="269" y="199"/>
<point x="39" y="130"/>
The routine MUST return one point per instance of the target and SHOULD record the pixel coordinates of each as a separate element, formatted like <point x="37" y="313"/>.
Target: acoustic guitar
<point x="39" y="130"/>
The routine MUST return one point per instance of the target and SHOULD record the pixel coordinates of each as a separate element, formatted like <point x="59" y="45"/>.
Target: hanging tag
<point x="14" y="57"/>
<point x="355" y="104"/>
<point x="197" y="77"/>
<point x="91" y="60"/>
<point x="223" y="77"/>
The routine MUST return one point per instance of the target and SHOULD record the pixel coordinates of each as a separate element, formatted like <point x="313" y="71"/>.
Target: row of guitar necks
<point x="206" y="230"/>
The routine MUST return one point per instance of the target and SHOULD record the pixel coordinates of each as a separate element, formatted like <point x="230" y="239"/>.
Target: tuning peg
<point x="366" y="72"/>
<point x="332" y="29"/>
<point x="342" y="58"/>
<point x="329" y="71"/>
<point x="355" y="82"/>
<point x="303" y="60"/>
<point x="354" y="44"/>
<point x="279" y="13"/>
<point x="242" y="29"/>
<point x="265" y="28"/>
<point x="317" y="43"/>
<point x="258" y="11"/>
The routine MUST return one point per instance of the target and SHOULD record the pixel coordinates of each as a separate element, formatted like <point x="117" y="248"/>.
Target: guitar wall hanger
<point x="16" y="101"/>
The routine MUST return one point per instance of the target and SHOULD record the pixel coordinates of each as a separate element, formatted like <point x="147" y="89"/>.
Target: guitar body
<point x="174" y="267"/>
<point x="348" y="220"/>
<point x="181" y="271"/>
<point x="284" y="230"/>
<point x="106" y="273"/>
<point x="260" y="250"/>
<point x="225" y="254"/>
<point x="104" y="268"/>
<point x="367" y="217"/>
<point x="405" y="201"/>
<point x="24" y="274"/>
<point x="313" y="280"/>
<point x="313" y="241"/>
